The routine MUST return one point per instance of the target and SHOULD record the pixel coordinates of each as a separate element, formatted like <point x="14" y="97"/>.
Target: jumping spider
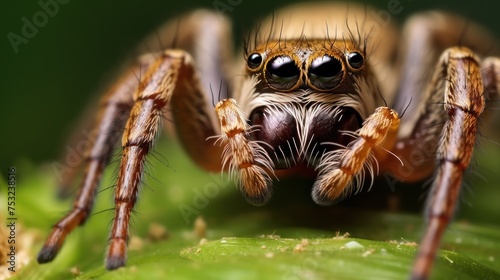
<point x="320" y="88"/>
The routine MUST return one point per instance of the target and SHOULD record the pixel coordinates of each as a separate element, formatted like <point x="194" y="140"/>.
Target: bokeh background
<point x="46" y="85"/>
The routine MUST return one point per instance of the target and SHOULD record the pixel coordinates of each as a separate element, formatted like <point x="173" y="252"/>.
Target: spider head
<point x="306" y="96"/>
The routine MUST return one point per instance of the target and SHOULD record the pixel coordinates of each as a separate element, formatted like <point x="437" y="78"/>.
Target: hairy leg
<point x="171" y="76"/>
<point x="339" y="169"/>
<point x="171" y="84"/>
<point x="114" y="109"/>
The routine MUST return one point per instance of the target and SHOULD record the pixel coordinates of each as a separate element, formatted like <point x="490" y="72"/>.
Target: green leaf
<point x="291" y="238"/>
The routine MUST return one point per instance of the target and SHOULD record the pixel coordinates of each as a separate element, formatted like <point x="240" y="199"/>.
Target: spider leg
<point x="172" y="79"/>
<point x="248" y="161"/>
<point x="114" y="108"/>
<point x="337" y="168"/>
<point x="465" y="99"/>
<point x="426" y="36"/>
<point x="458" y="77"/>
<point x="170" y="85"/>
<point x="83" y="134"/>
<point x="431" y="138"/>
<point x="490" y="70"/>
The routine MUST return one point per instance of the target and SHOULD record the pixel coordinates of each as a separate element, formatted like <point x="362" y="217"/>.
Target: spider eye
<point x="254" y="60"/>
<point x="325" y="72"/>
<point x="355" y="59"/>
<point x="282" y="72"/>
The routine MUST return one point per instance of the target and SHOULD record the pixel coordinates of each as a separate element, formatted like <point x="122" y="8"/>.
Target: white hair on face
<point x="306" y="106"/>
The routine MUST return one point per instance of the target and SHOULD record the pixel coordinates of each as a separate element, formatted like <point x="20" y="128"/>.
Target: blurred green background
<point x="45" y="87"/>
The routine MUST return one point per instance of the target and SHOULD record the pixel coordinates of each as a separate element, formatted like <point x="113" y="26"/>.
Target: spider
<point x="322" y="88"/>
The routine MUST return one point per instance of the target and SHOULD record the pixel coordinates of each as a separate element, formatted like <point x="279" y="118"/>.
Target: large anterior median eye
<point x="282" y="73"/>
<point x="325" y="72"/>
